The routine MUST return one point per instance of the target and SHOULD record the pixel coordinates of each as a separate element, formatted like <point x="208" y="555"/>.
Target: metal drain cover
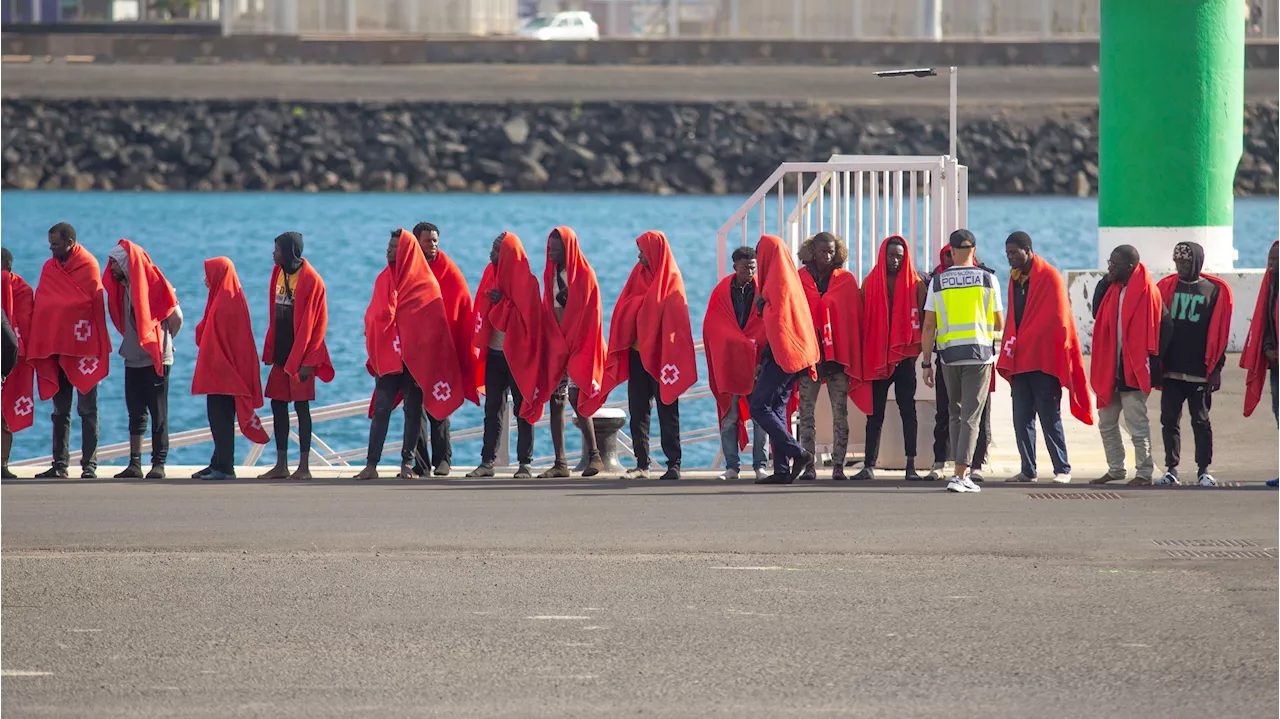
<point x="1074" y="495"/>
<point x="1204" y="543"/>
<point x="1221" y="553"/>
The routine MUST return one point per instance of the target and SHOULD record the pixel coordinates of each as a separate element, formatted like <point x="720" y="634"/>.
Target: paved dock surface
<point x="607" y="598"/>
<point x="980" y="87"/>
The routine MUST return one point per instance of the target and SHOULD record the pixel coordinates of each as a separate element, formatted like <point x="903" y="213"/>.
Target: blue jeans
<point x="769" y="412"/>
<point x="729" y="441"/>
<point x="1038" y="394"/>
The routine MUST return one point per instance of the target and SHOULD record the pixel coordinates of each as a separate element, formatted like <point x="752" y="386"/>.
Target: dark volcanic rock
<point x="625" y="147"/>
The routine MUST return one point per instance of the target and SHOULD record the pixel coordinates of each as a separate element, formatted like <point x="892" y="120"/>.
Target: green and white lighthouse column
<point x="1171" y="126"/>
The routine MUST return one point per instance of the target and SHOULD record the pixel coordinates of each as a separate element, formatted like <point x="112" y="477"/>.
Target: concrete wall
<point x="403" y="50"/>
<point x="1244" y="286"/>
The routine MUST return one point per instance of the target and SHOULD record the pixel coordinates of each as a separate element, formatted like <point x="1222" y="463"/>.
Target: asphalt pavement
<point x="607" y="598"/>
<point x="980" y="88"/>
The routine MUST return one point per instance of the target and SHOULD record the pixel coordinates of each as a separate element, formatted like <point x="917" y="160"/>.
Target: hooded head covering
<point x="290" y="244"/>
<point x="1190" y="251"/>
<point x="121" y="257"/>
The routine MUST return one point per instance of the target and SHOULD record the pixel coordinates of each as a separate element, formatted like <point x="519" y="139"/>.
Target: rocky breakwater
<point x="655" y="148"/>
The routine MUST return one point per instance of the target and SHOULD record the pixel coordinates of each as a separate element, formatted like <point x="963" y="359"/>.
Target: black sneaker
<point x="802" y="464"/>
<point x="865" y="473"/>
<point x="6" y="474"/>
<point x="133" y="471"/>
<point x="671" y="474"/>
<point x="442" y="470"/>
<point x="776" y="479"/>
<point x="218" y="475"/>
<point x="157" y="472"/>
<point x="201" y="474"/>
<point x="88" y="474"/>
<point x="52" y="473"/>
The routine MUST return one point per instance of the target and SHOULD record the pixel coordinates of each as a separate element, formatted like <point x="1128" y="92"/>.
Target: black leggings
<point x="384" y="398"/>
<point x="221" y="409"/>
<point x="903" y="380"/>
<point x="280" y="412"/>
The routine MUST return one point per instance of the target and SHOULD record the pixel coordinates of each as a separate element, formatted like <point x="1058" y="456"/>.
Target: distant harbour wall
<point x="37" y="42"/>
<point x="606" y="147"/>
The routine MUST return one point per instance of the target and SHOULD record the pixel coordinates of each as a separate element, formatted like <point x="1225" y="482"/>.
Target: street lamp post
<point x="933" y="72"/>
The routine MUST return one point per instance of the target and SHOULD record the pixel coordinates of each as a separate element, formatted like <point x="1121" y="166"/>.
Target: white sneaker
<point x="1064" y="478"/>
<point x="1169" y="478"/>
<point x="636" y="473"/>
<point x="962" y="484"/>
<point x="761" y="473"/>
<point x="1020" y="478"/>
<point x="729" y="474"/>
<point x="936" y="474"/>
<point x="976" y="475"/>
<point x="1207" y="480"/>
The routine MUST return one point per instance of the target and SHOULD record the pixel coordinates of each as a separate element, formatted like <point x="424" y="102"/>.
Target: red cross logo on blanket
<point x="441" y="391"/>
<point x="670" y="374"/>
<point x="88" y="365"/>
<point x="83" y="330"/>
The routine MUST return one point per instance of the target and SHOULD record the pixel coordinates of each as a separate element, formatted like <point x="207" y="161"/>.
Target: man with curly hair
<point x="836" y="306"/>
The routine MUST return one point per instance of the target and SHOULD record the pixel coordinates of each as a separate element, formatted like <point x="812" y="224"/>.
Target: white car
<point x="576" y="25"/>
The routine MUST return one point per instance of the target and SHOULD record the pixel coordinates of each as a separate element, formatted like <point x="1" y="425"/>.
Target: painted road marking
<point x="21" y="673"/>
<point x="554" y="616"/>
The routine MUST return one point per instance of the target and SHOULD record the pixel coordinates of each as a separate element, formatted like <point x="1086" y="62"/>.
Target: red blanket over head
<point x="576" y="343"/>
<point x="19" y="387"/>
<point x="520" y="315"/>
<point x="889" y="337"/>
<point x="381" y="339"/>
<point x="310" y="323"/>
<point x="152" y="298"/>
<point x="457" y="308"/>
<point x="426" y="339"/>
<point x="1252" y="358"/>
<point x="652" y="315"/>
<point x="227" y="361"/>
<point x="1140" y="312"/>
<point x="69" y="324"/>
<point x="788" y="323"/>
<point x="1219" y="323"/>
<point x="732" y="354"/>
<point x="1046" y="340"/>
<point x="837" y="321"/>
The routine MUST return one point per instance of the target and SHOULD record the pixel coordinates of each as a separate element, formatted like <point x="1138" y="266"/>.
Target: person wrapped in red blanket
<point x="512" y="337"/>
<point x="1191" y="366"/>
<point x="410" y="346"/>
<point x="69" y="346"/>
<point x="576" y="347"/>
<point x="1040" y="355"/>
<point x="734" y="341"/>
<point x="295" y="349"/>
<point x="435" y="452"/>
<point x="792" y="352"/>
<point x="1259" y="356"/>
<point x="1130" y="328"/>
<point x="227" y="368"/>
<point x="651" y="349"/>
<point x="892" y="296"/>
<point x="19" y="395"/>
<point x="835" y="304"/>
<point x="145" y="311"/>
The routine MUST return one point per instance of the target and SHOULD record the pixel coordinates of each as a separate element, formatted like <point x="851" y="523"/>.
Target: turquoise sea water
<point x="346" y="239"/>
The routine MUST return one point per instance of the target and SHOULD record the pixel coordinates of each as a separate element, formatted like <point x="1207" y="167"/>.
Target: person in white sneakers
<point x="963" y="317"/>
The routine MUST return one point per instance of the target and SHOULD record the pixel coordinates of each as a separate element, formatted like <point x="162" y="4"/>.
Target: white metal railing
<point x="859" y="198"/>
<point x="327" y="456"/>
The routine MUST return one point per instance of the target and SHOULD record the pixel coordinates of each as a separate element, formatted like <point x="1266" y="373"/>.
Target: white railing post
<point x="857" y="221"/>
<point x="962" y="200"/>
<point x="873" y="194"/>
<point x="913" y="177"/>
<point x="897" y="202"/>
